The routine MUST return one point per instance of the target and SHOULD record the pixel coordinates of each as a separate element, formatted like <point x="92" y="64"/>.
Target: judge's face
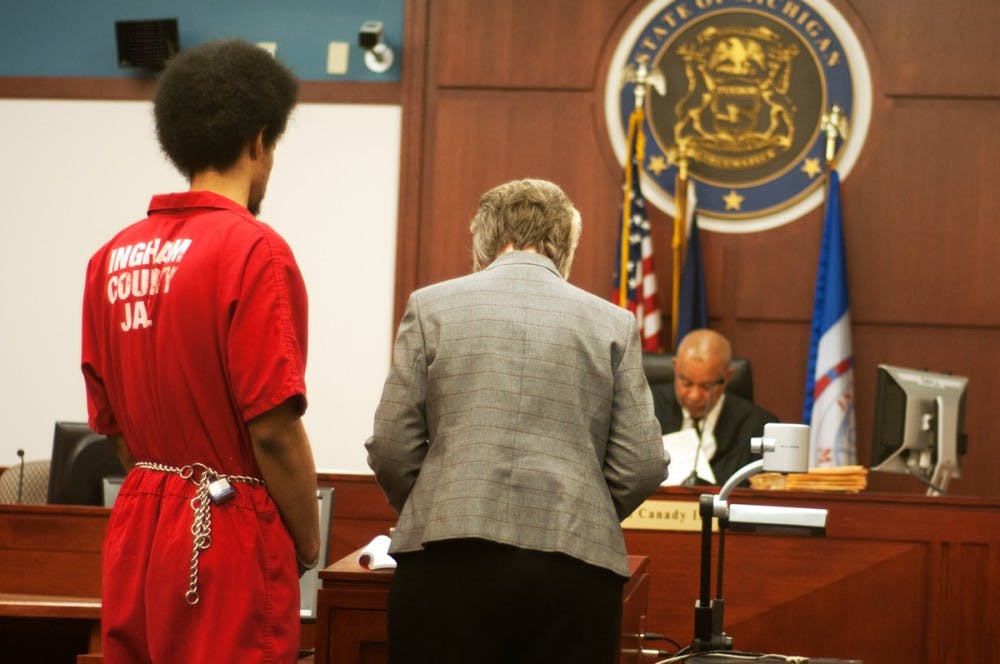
<point x="699" y="383"/>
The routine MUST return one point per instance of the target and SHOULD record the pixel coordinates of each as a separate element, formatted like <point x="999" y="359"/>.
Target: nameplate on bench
<point x="680" y="515"/>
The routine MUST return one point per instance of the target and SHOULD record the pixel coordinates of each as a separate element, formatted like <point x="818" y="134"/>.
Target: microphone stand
<point x="20" y="479"/>
<point x="692" y="479"/>
<point x="708" y="634"/>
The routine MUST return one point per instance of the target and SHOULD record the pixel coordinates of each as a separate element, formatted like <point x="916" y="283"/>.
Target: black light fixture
<point x="146" y="44"/>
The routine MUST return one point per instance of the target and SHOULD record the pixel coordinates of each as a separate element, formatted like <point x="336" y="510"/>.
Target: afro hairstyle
<point x="215" y="98"/>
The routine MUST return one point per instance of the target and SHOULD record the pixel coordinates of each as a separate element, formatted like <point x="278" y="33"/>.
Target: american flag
<point x="635" y="290"/>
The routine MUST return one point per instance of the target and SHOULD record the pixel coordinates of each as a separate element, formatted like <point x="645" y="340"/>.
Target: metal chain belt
<point x="213" y="487"/>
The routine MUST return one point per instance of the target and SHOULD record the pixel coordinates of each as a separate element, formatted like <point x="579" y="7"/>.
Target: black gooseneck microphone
<point x="20" y="478"/>
<point x="692" y="479"/>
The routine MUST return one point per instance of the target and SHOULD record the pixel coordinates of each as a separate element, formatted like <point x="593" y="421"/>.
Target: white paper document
<point x="375" y="555"/>
<point x="682" y="447"/>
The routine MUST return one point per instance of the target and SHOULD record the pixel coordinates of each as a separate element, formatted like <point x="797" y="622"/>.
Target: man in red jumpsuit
<point x="194" y="350"/>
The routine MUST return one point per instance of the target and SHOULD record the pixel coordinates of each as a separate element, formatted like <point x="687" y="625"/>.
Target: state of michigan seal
<point x="747" y="83"/>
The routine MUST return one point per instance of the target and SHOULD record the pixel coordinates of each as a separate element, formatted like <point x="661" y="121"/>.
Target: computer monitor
<point x="81" y="459"/>
<point x="309" y="582"/>
<point x="110" y="486"/>
<point x="919" y="425"/>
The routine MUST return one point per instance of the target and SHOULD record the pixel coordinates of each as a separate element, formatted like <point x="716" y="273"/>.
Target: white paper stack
<point x="682" y="447"/>
<point x="375" y="555"/>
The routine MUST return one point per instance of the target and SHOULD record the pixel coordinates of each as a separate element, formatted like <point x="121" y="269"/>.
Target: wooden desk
<point x="351" y="612"/>
<point x="895" y="580"/>
<point x="898" y="579"/>
<point x="50" y="607"/>
<point x="50" y="582"/>
<point x="52" y="549"/>
<point x="50" y="576"/>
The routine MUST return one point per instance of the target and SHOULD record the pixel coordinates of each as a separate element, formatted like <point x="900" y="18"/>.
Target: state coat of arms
<point x="747" y="83"/>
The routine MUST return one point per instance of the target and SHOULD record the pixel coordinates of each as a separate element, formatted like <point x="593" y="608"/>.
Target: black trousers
<point x="478" y="601"/>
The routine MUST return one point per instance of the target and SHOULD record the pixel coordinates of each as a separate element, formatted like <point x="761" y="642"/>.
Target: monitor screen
<point x="919" y="424"/>
<point x="309" y="582"/>
<point x="110" y="487"/>
<point x="81" y="459"/>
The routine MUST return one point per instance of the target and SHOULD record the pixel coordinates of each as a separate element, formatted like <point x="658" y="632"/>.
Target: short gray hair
<point x="526" y="214"/>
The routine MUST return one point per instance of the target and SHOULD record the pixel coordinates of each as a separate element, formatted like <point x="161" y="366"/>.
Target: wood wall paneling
<point x="966" y="619"/>
<point x="932" y="48"/>
<point x="771" y="275"/>
<point x="416" y="15"/>
<point x="963" y="351"/>
<point x="51" y="87"/>
<point x="360" y="512"/>
<point x="770" y="346"/>
<point x="551" y="44"/>
<point x="920" y="348"/>
<point x="476" y="134"/>
<point x="918" y="209"/>
<point x="922" y="242"/>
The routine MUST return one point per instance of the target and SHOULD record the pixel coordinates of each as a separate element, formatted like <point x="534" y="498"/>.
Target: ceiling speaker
<point x="146" y="44"/>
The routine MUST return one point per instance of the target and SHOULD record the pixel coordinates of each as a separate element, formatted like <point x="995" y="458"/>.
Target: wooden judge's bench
<point x="897" y="579"/>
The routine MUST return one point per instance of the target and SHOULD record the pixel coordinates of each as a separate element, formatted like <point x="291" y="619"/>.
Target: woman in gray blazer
<point x="515" y="431"/>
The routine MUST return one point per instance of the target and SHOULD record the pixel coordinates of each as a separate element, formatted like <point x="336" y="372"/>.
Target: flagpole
<point x="642" y="79"/>
<point x="680" y="230"/>
<point x="634" y="125"/>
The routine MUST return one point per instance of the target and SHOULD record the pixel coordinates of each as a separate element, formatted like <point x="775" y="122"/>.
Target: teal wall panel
<point x="76" y="38"/>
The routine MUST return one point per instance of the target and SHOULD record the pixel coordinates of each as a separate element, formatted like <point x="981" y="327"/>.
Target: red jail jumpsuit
<point x="194" y="322"/>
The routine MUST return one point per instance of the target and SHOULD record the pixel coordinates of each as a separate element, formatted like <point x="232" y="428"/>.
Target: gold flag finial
<point x="642" y="79"/>
<point x="835" y="126"/>
<point x="680" y="155"/>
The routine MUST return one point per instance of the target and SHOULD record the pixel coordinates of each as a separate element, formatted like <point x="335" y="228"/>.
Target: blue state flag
<point x="692" y="305"/>
<point x="829" y="395"/>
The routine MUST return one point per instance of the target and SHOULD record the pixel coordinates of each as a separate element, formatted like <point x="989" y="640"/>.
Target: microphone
<point x="20" y="479"/>
<point x="692" y="479"/>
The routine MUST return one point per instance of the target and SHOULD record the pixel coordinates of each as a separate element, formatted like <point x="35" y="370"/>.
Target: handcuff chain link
<point x="201" y="525"/>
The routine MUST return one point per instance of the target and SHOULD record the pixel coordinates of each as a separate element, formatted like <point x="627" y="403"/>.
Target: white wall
<point x="74" y="172"/>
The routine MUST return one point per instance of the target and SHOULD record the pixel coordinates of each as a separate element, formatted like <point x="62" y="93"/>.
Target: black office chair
<point x="659" y="368"/>
<point x="34" y="486"/>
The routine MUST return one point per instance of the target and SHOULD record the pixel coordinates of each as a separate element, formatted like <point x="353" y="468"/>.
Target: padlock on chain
<point x="220" y="491"/>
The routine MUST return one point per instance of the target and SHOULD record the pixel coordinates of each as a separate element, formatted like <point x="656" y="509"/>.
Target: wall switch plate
<point x="269" y="46"/>
<point x="336" y="57"/>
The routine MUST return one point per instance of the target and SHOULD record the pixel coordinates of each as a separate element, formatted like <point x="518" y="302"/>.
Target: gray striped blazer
<point x="516" y="410"/>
